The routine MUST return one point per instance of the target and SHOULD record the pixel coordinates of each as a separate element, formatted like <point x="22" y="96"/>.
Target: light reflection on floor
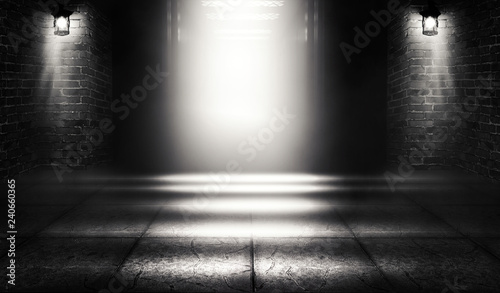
<point x="212" y="184"/>
<point x="431" y="234"/>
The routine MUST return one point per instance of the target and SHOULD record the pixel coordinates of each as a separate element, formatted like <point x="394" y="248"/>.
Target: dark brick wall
<point x="398" y="79"/>
<point x="421" y="91"/>
<point x="55" y="89"/>
<point x="19" y="66"/>
<point x="442" y="105"/>
<point x="477" y="55"/>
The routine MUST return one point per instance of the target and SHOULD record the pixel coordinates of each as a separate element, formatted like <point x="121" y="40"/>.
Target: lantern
<point x="430" y="22"/>
<point x="61" y="21"/>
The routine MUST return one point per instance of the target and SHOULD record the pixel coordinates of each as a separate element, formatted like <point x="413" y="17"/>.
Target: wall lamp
<point x="430" y="22"/>
<point x="61" y="21"/>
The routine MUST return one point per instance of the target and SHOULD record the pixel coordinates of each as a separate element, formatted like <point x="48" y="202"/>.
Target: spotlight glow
<point x="250" y="205"/>
<point x="430" y="23"/>
<point x="243" y="230"/>
<point x="250" y="35"/>
<point x="62" y="23"/>
<point x="213" y="184"/>
<point x="247" y="178"/>
<point x="244" y="16"/>
<point x="246" y="3"/>
<point x="223" y="183"/>
<point x="238" y="62"/>
<point x="247" y="188"/>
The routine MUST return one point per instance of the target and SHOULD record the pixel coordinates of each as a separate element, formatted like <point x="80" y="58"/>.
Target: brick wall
<point x="437" y="115"/>
<point x="398" y="79"/>
<point x="421" y="92"/>
<point x="55" y="89"/>
<point x="18" y="66"/>
<point x="478" y="73"/>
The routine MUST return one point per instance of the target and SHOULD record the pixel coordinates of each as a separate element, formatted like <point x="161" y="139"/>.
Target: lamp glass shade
<point x="430" y="25"/>
<point x="61" y="25"/>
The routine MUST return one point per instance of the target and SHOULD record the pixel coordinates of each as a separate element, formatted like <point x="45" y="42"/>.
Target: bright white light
<point x="233" y="76"/>
<point x="237" y="34"/>
<point x="62" y="23"/>
<point x="222" y="230"/>
<point x="247" y="188"/>
<point x="284" y="229"/>
<point x="243" y="16"/>
<point x="255" y="230"/>
<point x="224" y="183"/>
<point x="430" y="23"/>
<point x="244" y="3"/>
<point x="259" y="205"/>
<point x="264" y="3"/>
<point x="247" y="178"/>
<point x="242" y="32"/>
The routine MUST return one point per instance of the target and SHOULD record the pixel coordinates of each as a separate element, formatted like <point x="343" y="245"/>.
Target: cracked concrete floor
<point x="434" y="233"/>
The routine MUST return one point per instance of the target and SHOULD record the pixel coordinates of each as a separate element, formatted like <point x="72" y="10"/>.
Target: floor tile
<point x="359" y="237"/>
<point x="71" y="279"/>
<point x="491" y="244"/>
<point x="486" y="187"/>
<point x="316" y="264"/>
<point x="5" y="245"/>
<point x="373" y="197"/>
<point x="54" y="195"/>
<point x="388" y="221"/>
<point x="321" y="222"/>
<point x="179" y="221"/>
<point x="464" y="196"/>
<point x="435" y="265"/>
<point x="32" y="219"/>
<point x="136" y="197"/>
<point x="189" y="265"/>
<point x="68" y="264"/>
<point x="69" y="252"/>
<point x="476" y="221"/>
<point x="109" y="221"/>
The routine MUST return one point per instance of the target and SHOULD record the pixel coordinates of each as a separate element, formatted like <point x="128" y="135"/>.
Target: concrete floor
<point x="432" y="234"/>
